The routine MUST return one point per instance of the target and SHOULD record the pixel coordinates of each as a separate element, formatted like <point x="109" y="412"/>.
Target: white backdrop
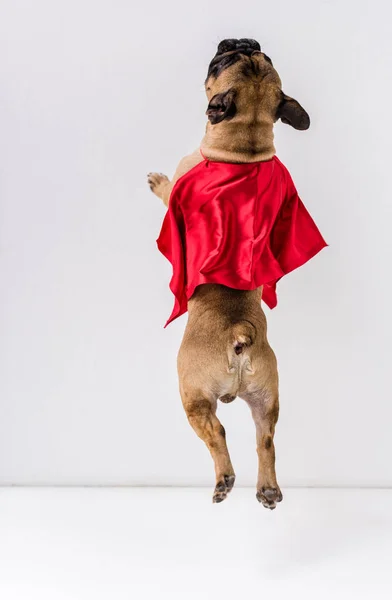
<point x="94" y="94"/>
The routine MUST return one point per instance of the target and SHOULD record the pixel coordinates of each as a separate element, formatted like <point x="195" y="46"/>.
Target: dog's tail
<point x="242" y="336"/>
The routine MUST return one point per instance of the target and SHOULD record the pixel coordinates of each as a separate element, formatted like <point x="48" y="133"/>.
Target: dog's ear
<point x="291" y="112"/>
<point x="221" y="106"/>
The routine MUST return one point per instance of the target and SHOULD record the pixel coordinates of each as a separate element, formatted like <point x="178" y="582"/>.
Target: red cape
<point x="240" y="225"/>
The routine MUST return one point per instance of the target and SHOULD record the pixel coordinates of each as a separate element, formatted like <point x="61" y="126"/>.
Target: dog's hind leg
<point x="201" y="415"/>
<point x="264" y="405"/>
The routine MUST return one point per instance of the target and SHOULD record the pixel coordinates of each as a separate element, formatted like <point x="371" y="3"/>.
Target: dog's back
<point x="226" y="334"/>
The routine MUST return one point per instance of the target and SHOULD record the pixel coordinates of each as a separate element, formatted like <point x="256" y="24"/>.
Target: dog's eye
<point x="267" y="58"/>
<point x="208" y="89"/>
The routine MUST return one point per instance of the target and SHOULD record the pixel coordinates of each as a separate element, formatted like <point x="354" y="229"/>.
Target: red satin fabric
<point x="240" y="225"/>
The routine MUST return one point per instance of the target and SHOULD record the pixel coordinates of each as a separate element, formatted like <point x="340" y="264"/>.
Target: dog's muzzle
<point x="245" y="46"/>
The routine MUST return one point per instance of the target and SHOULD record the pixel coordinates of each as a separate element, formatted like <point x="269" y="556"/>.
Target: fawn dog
<point x="225" y="352"/>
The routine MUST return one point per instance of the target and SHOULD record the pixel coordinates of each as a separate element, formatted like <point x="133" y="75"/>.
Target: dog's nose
<point x="227" y="46"/>
<point x="244" y="45"/>
<point x="249" y="44"/>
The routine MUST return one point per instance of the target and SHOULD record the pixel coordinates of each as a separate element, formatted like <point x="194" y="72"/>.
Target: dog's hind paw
<point x="222" y="488"/>
<point x="269" y="497"/>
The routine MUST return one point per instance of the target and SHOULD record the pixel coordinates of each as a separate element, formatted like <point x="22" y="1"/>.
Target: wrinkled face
<point x="242" y="84"/>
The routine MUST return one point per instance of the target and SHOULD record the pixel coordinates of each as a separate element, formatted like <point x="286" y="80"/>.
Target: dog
<point x="225" y="352"/>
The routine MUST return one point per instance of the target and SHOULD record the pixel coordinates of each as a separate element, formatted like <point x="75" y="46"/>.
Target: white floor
<point x="102" y="543"/>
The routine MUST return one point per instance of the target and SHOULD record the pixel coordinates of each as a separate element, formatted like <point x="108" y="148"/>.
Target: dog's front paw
<point x="269" y="496"/>
<point x="158" y="183"/>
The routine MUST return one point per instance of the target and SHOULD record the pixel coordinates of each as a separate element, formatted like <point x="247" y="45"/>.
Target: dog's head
<point x="242" y="84"/>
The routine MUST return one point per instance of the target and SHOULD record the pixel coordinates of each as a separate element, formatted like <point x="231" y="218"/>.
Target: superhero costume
<point x="239" y="225"/>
